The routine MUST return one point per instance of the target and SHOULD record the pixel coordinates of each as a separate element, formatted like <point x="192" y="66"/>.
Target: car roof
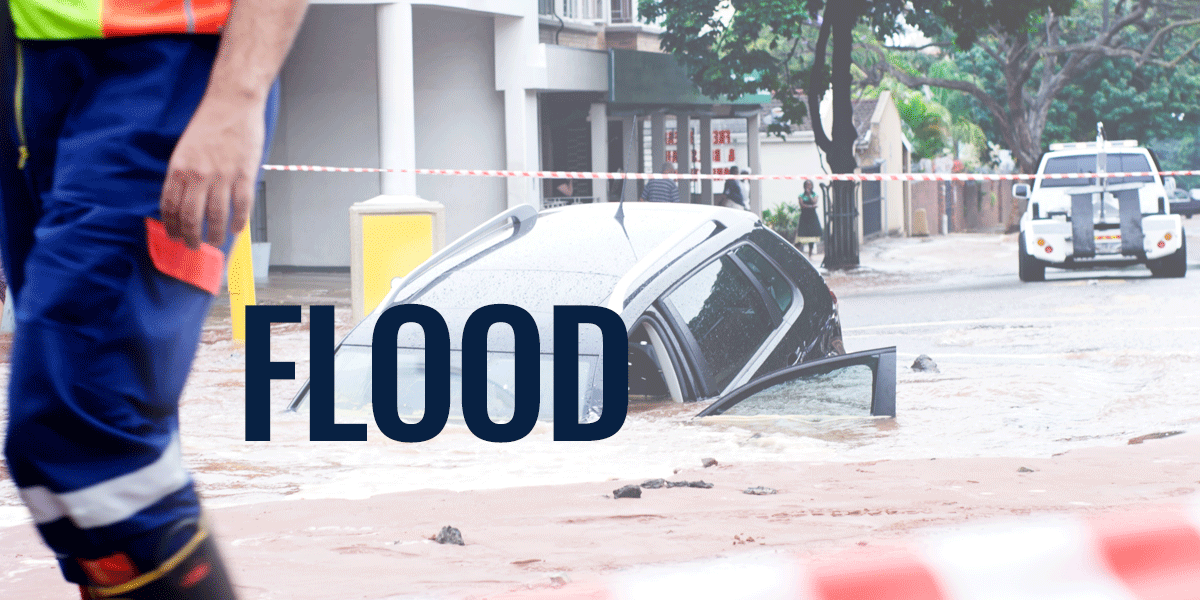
<point x="1092" y="151"/>
<point x="574" y="255"/>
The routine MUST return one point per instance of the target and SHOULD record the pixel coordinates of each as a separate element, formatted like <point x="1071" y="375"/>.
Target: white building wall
<point x="329" y="115"/>
<point x="796" y="156"/>
<point x="459" y="114"/>
<point x="893" y="152"/>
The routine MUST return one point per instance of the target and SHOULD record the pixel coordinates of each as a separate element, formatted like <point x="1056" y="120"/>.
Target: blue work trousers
<point x="104" y="340"/>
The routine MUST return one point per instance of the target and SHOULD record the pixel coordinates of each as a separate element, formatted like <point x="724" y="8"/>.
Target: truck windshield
<point x="1086" y="163"/>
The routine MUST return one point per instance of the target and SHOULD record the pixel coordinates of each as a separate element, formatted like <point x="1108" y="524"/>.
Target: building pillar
<point x="754" y="158"/>
<point x="520" y="145"/>
<point x="631" y="156"/>
<point x="658" y="141"/>
<point x="598" y="115"/>
<point x="397" y="98"/>
<point x="513" y="37"/>
<point x="683" y="158"/>
<point x="706" y="185"/>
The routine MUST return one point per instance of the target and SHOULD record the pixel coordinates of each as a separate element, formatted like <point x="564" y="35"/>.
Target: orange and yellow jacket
<point x="83" y="19"/>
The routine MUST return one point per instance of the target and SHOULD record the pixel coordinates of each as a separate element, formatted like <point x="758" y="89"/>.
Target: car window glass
<point x="841" y="392"/>
<point x="776" y="285"/>
<point x="726" y="316"/>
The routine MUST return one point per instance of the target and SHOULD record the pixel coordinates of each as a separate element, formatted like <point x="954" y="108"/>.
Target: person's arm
<point x="211" y="174"/>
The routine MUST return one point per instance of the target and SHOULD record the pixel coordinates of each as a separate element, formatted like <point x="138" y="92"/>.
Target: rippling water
<point x="1024" y="371"/>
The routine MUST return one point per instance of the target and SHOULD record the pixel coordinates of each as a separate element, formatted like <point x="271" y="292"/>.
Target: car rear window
<point x="1086" y="163"/>
<point x="775" y="283"/>
<point x="725" y="315"/>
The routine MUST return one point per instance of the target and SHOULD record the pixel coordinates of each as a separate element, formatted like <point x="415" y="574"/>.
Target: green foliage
<point x="1179" y="153"/>
<point x="926" y="122"/>
<point x="784" y="219"/>
<point x="738" y="47"/>
<point x="1150" y="102"/>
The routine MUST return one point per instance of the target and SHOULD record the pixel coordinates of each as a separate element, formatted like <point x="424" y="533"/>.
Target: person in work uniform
<point x="127" y="164"/>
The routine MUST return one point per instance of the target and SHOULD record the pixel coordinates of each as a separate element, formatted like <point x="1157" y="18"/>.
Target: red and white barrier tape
<point x="1154" y="556"/>
<point x="722" y="176"/>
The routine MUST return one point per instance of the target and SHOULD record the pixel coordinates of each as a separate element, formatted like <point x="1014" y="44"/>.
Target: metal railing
<point x="622" y="11"/>
<point x="580" y="10"/>
<point x="610" y="11"/>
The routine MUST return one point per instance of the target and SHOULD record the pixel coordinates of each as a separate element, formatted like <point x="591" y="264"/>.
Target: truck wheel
<point x="1028" y="267"/>
<point x="1174" y="265"/>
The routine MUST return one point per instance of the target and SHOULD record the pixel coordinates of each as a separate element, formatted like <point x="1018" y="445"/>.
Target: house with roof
<point x="881" y="147"/>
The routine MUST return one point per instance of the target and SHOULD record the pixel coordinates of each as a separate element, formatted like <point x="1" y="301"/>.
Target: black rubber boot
<point x="195" y="572"/>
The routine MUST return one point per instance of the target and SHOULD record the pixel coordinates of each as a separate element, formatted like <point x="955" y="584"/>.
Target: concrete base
<point x="260" y="253"/>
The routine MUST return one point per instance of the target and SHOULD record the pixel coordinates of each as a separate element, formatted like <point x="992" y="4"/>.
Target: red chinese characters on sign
<point x="722" y="136"/>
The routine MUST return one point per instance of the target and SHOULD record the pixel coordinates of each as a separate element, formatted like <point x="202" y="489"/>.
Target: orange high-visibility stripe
<point x="121" y="18"/>
<point x="210" y="15"/>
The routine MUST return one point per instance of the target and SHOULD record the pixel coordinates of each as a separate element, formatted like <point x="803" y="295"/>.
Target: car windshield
<point x="1086" y="163"/>
<point x="352" y="384"/>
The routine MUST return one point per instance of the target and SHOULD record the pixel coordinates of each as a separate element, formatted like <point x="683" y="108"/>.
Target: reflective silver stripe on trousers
<point x="191" y="16"/>
<point x="111" y="501"/>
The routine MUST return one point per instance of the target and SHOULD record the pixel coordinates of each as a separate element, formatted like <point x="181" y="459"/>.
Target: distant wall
<point x="927" y="195"/>
<point x="459" y="114"/>
<point x="329" y="115"/>
<point x="971" y="206"/>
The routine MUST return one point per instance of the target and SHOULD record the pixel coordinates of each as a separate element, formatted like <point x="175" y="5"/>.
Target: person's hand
<point x="211" y="174"/>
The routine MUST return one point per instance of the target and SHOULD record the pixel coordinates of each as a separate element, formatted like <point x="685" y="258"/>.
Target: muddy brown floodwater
<point x="1040" y="389"/>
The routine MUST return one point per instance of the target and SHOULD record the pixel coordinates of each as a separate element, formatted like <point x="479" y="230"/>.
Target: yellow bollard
<point x="389" y="237"/>
<point x="241" y="283"/>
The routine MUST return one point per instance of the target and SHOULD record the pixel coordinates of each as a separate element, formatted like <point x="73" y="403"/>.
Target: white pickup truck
<point x="1088" y="222"/>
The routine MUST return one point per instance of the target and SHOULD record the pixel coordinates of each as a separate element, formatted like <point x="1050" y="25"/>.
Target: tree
<point x="1021" y="75"/>
<point x="926" y="121"/>
<point x="721" y="44"/>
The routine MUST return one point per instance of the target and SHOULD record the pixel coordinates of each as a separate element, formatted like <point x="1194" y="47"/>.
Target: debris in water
<point x="708" y="462"/>
<point x="628" y="491"/>
<point x="1153" y="436"/>
<point x="924" y="363"/>
<point x="1024" y="470"/>
<point x="759" y="491"/>
<point x="695" y="484"/>
<point x="449" y="535"/>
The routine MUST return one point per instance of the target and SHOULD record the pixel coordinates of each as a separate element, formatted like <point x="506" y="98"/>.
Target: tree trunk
<point x="842" y="246"/>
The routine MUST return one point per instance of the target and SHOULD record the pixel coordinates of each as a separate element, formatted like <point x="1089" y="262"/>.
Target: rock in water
<point x="449" y="535"/>
<point x="629" y="491"/>
<point x="654" y="484"/>
<point x="924" y="363"/>
<point x="695" y="484"/>
<point x="759" y="491"/>
<point x="708" y="462"/>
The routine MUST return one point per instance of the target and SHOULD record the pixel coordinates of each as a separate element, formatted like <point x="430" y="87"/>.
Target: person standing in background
<point x="808" y="229"/>
<point x="128" y="165"/>
<point x="662" y="190"/>
<point x="745" y="185"/>
<point x="733" y="191"/>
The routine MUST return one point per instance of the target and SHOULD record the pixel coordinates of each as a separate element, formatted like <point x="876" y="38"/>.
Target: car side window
<point x="776" y="284"/>
<point x="725" y="315"/>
